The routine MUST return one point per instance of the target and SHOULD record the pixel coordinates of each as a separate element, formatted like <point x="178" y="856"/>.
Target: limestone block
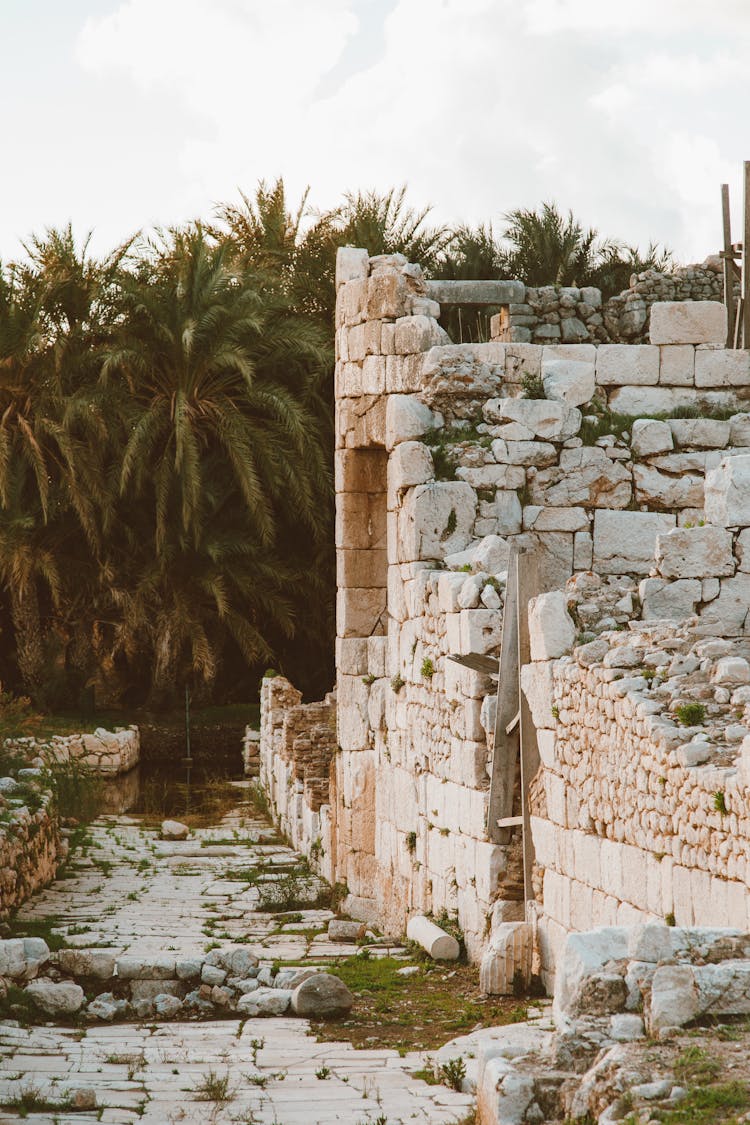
<point x="673" y="601"/>
<point x="723" y="989"/>
<point x="644" y="400"/>
<point x="688" y="322"/>
<point x="538" y="453"/>
<point x="727" y="492"/>
<point x="700" y="433"/>
<point x="449" y="588"/>
<point x="722" y="367"/>
<point x="493" y="476"/>
<point x="480" y="630"/>
<point x="650" y="436"/>
<point x="360" y="470"/>
<point x="436" y="942"/>
<point x="63" y="999"/>
<point x="351" y="263"/>
<point x="351" y="655"/>
<point x="361" y="568"/>
<point x="538" y="687"/>
<point x="373" y="375"/>
<point x="586" y="957"/>
<point x="568" y="380"/>
<point x="536" y="518"/>
<point x="403" y="373"/>
<point x="387" y="296"/>
<point x="410" y="463"/>
<point x="674" y="997"/>
<point x="360" y="521"/>
<point x="406" y="418"/>
<point x="551" y="421"/>
<point x="583" y="550"/>
<point x="507" y="959"/>
<point x="436" y="519"/>
<point x="677" y="366"/>
<point x="667" y="490"/>
<point x="695" y="552"/>
<point x="726" y="614"/>
<point x="731" y="671"/>
<point x="360" y="612"/>
<point x="739" y="429"/>
<point x="350" y="306"/>
<point x="509" y="514"/>
<point x="418" y="334"/>
<point x="627" y="365"/>
<point x="586" y="476"/>
<point x="551" y="628"/>
<point x="491" y="555"/>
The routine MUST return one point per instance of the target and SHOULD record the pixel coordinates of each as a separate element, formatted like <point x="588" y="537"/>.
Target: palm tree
<point x="216" y="385"/>
<point x="549" y="248"/>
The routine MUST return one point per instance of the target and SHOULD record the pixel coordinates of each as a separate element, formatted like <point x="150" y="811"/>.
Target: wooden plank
<point x="509" y="821"/>
<point x="728" y="257"/>
<point x="746" y="262"/>
<point x="478" y="662"/>
<point x="507" y="742"/>
<point x="529" y="584"/>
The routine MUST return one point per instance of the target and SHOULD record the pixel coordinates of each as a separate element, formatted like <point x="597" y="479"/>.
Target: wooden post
<point x="728" y="259"/>
<point x="746" y="262"/>
<point x="507" y="733"/>
<point x="529" y="585"/>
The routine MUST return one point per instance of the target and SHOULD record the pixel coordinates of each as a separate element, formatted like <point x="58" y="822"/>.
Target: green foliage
<point x="720" y="802"/>
<point x="428" y="668"/>
<point x="690" y="714"/>
<point x="695" y="1065"/>
<point x="453" y="1072"/>
<point x="532" y="386"/>
<point x="397" y="683"/>
<point x="213" y="1087"/>
<point x="77" y="790"/>
<point x="369" y="679"/>
<point x="411" y="842"/>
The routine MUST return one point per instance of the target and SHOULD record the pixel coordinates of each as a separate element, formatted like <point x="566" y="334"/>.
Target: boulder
<point x="727" y="492"/>
<point x="96" y="963"/>
<point x="56" y="999"/>
<point x="167" y="1006"/>
<point x="674" y="997"/>
<point x="322" y="996"/>
<point x="106" y="1008"/>
<point x="264" y="1002"/>
<point x="589" y="957"/>
<point x="695" y="552"/>
<point x="624" y="542"/>
<point x="341" y="930"/>
<point x="174" y="830"/>
<point x="551" y="627"/>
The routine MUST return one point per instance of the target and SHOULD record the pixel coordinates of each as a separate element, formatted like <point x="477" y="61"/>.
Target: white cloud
<point x="616" y="110"/>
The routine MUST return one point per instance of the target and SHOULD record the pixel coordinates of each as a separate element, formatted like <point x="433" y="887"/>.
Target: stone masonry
<point x="628" y="475"/>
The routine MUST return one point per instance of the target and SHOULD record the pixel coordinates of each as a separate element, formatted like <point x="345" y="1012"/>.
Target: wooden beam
<point x="529" y="584"/>
<point x="506" y="746"/>
<point x="728" y="257"/>
<point x="746" y="262"/>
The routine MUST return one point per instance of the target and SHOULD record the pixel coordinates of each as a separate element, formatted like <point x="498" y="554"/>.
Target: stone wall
<point x="553" y="314"/>
<point x="32" y="842"/>
<point x="442" y="464"/>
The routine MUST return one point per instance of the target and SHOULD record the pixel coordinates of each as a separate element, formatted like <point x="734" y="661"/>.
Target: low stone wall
<point x="106" y="752"/>
<point x="553" y="314"/>
<point x="298" y="743"/>
<point x="32" y="843"/>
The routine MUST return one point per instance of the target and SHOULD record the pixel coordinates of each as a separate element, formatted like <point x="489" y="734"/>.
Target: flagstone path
<point x="135" y="894"/>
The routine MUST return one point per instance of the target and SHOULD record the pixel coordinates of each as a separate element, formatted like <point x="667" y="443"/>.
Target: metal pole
<point x="188" y="756"/>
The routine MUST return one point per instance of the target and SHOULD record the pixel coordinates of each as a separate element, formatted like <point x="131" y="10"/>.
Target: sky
<point x="119" y="115"/>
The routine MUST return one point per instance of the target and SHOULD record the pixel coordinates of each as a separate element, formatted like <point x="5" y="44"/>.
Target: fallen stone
<point x="674" y="997"/>
<point x="322" y="996"/>
<point x="342" y="930"/>
<point x="264" y="1002"/>
<point x="174" y="830"/>
<point x="435" y="941"/>
<point x="56" y="999"/>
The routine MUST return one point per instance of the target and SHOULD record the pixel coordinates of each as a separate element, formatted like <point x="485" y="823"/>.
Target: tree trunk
<point x="29" y="642"/>
<point x="164" y="682"/>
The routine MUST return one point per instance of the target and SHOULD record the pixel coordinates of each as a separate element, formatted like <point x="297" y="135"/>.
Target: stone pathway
<point x="137" y="895"/>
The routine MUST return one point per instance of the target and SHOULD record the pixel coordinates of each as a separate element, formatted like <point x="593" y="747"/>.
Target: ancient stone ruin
<point x="596" y="498"/>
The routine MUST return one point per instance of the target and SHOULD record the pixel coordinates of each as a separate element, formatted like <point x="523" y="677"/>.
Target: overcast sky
<point x="120" y="114"/>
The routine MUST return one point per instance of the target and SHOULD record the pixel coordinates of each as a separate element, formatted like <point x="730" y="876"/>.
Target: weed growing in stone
<point x="213" y="1087"/>
<point x="690" y="714"/>
<point x="453" y="1072"/>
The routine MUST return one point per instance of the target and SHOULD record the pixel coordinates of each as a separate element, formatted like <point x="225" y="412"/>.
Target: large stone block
<point x="538" y="687"/>
<point x="722" y="367"/>
<point x="586" y="957"/>
<point x="650" y="436"/>
<point x="677" y="368"/>
<point x="551" y="421"/>
<point x="360" y="612"/>
<point x="726" y="616"/>
<point x="418" y="334"/>
<point x="360" y="521"/>
<point x="643" y="401"/>
<point x="727" y="492"/>
<point x="568" y="380"/>
<point x="407" y="418"/>
<point x="436" y="519"/>
<point x="351" y="263"/>
<point x="688" y="322"/>
<point x="667" y="490"/>
<point x="360" y="470"/>
<point x="695" y="552"/>
<point x="507" y="959"/>
<point x="627" y="365"/>
<point x="387" y="296"/>
<point x="700" y="433"/>
<point x="586" y="476"/>
<point x="673" y="601"/>
<point x="410" y="463"/>
<point x="551" y="627"/>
